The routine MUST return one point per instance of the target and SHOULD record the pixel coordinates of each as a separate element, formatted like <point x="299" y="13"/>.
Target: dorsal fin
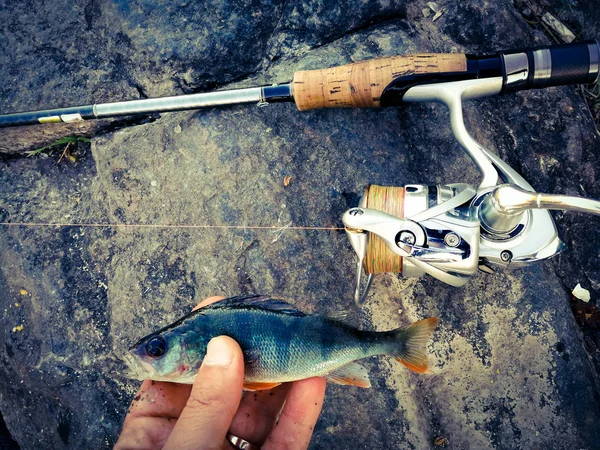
<point x="255" y="301"/>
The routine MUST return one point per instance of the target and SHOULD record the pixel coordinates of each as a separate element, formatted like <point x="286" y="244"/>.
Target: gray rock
<point x="510" y="368"/>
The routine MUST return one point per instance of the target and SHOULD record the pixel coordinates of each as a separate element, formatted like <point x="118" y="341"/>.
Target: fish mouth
<point x="142" y="370"/>
<point x="136" y="369"/>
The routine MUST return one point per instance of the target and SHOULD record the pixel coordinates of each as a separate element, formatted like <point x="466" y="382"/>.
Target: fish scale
<point x="279" y="343"/>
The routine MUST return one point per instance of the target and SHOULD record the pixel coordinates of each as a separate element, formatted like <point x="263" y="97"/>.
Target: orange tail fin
<point x="415" y="338"/>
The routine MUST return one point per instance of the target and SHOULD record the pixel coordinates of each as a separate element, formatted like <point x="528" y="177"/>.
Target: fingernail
<point x="218" y="352"/>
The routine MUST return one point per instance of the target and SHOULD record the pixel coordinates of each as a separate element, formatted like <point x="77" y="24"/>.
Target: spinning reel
<point x="451" y="231"/>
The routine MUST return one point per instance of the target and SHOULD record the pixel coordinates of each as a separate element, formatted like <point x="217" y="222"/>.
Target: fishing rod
<point x="377" y="82"/>
<point x="447" y="231"/>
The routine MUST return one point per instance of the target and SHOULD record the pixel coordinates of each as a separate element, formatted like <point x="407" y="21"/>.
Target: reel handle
<point x="503" y="208"/>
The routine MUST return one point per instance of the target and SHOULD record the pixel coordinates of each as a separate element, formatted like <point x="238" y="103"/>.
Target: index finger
<point x="159" y="399"/>
<point x="152" y="414"/>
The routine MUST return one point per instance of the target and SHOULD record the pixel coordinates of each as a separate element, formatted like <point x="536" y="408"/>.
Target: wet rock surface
<point x="510" y="367"/>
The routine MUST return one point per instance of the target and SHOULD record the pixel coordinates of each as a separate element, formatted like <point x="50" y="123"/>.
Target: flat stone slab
<point x="210" y="214"/>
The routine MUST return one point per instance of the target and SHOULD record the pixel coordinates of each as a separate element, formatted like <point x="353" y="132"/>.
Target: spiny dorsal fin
<point x="255" y="301"/>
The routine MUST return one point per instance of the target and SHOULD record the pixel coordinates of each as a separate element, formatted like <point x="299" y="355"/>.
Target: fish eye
<point x="156" y="347"/>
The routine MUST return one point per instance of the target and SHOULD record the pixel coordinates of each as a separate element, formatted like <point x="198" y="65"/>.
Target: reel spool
<point x="400" y="202"/>
<point x="390" y="199"/>
<point x="449" y="231"/>
<point x="413" y="230"/>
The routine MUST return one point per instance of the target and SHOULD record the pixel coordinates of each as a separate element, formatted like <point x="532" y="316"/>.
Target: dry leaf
<point x="440" y="440"/>
<point x="564" y="33"/>
<point x="286" y="180"/>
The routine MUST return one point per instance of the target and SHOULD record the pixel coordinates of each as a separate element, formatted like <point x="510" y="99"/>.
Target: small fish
<point x="279" y="343"/>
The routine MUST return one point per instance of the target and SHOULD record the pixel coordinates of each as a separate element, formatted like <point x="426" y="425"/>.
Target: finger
<point x="257" y="414"/>
<point x="152" y="414"/>
<point x="300" y="413"/>
<point x="208" y="301"/>
<point x="144" y="433"/>
<point x="214" y="399"/>
<point x="160" y="399"/>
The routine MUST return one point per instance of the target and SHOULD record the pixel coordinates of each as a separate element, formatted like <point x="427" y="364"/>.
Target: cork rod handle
<point x="360" y="84"/>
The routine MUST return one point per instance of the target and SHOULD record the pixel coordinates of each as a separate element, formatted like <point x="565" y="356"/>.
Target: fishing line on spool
<point x="379" y="258"/>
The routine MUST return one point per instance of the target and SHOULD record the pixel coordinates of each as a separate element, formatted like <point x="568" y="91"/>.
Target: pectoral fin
<point x="351" y="374"/>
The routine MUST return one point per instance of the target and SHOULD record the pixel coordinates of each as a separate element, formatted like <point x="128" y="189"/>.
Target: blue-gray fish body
<point x="279" y="343"/>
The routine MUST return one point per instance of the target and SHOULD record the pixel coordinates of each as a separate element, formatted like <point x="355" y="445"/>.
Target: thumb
<point x="214" y="399"/>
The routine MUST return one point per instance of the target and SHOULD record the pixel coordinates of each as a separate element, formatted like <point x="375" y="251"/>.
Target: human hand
<point x="178" y="416"/>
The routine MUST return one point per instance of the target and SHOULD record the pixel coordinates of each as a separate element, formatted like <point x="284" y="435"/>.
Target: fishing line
<point x="132" y="225"/>
<point x="379" y="258"/>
